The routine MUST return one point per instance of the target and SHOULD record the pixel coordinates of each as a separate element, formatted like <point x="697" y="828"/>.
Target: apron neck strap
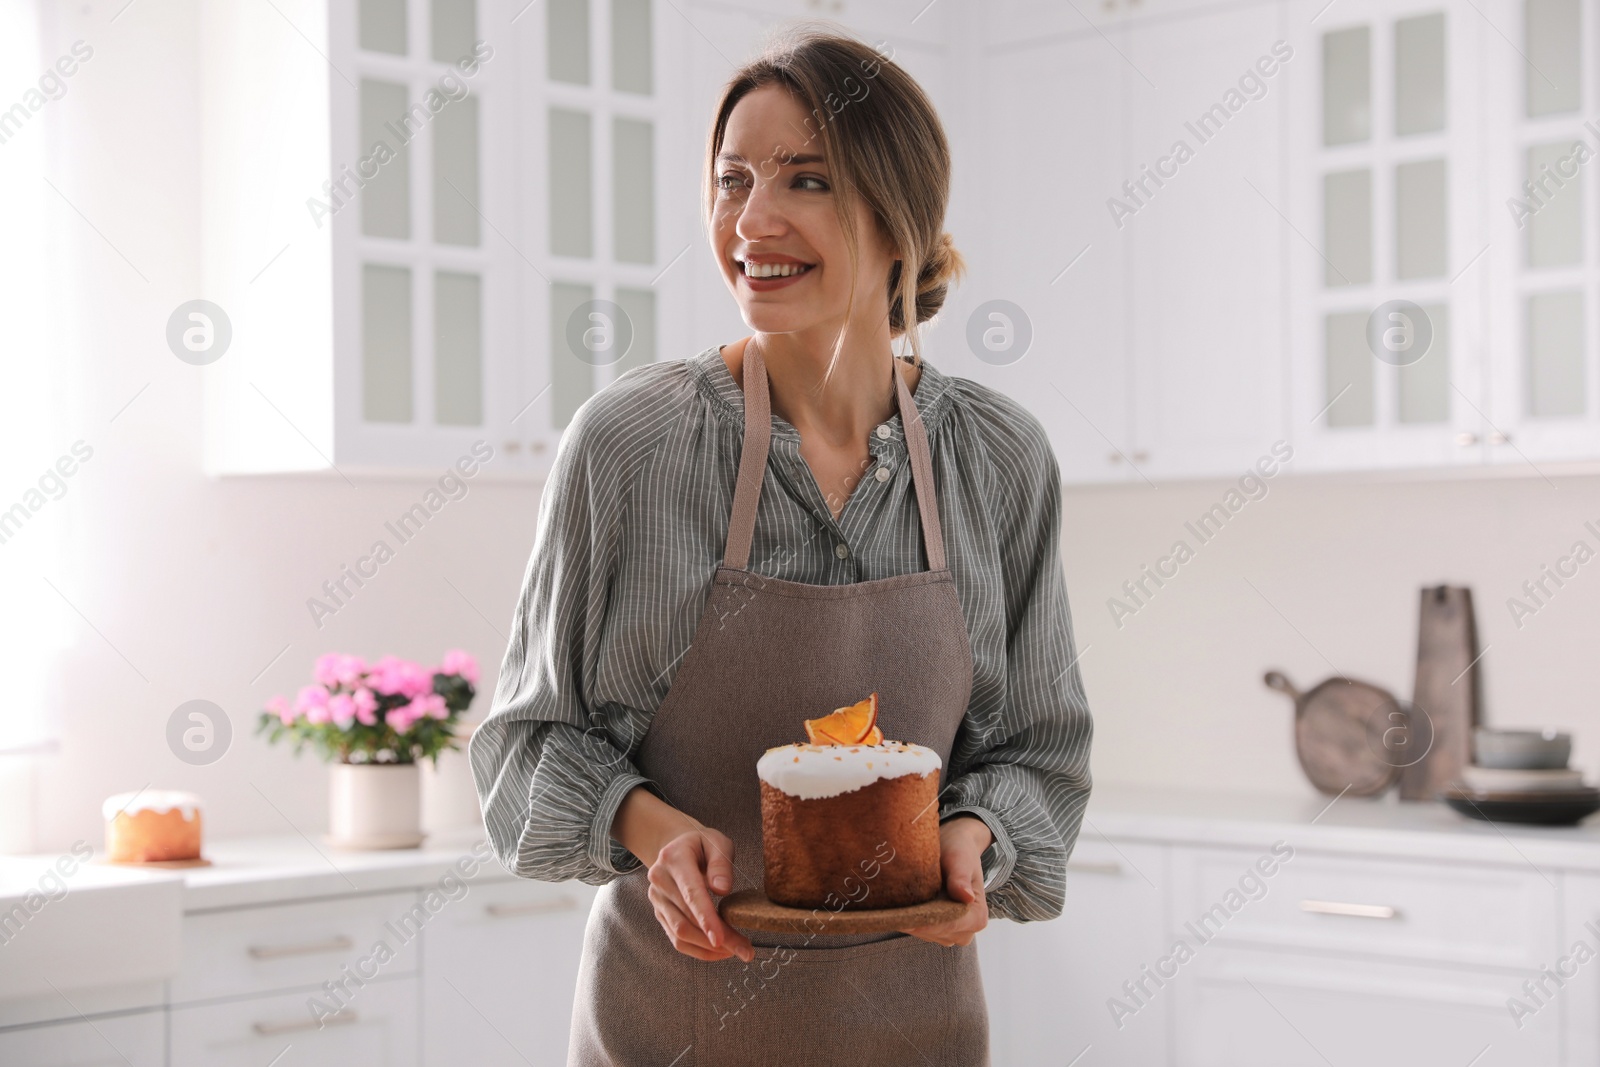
<point x="758" y="439"/>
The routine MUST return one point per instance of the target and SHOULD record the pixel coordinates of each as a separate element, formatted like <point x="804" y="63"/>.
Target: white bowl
<point x="1537" y="749"/>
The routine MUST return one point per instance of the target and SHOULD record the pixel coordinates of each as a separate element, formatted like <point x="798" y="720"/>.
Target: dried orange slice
<point x="846" y="726"/>
<point x="874" y="737"/>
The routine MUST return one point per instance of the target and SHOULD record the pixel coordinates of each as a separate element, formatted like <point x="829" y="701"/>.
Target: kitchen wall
<point x="184" y="587"/>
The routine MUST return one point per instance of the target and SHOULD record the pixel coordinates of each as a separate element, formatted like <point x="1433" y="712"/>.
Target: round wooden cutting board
<point x="1343" y="731"/>
<point x="749" y="909"/>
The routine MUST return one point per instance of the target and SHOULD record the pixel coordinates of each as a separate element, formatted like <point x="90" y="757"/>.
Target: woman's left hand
<point x="961" y="844"/>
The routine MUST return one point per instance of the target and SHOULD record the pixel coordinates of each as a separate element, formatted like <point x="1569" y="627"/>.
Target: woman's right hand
<point x="686" y="871"/>
<point x="687" y="861"/>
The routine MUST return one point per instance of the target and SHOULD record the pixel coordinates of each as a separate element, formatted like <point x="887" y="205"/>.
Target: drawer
<point x="254" y="950"/>
<point x="1237" y="1007"/>
<point x="1439" y="912"/>
<point x="502" y="968"/>
<point x="120" y="1041"/>
<point x="376" y="1028"/>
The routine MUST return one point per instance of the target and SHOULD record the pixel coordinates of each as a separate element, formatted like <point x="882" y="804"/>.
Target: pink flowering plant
<point x="390" y="711"/>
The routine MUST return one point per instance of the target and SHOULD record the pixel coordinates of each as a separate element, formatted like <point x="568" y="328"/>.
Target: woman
<point x="702" y="582"/>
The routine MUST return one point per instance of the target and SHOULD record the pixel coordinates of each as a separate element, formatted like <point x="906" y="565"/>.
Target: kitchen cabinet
<point x="1425" y="955"/>
<point x="1415" y="134"/>
<point x="1205" y="301"/>
<point x="1049" y="985"/>
<point x="1165" y="317"/>
<point x="438" y="225"/>
<point x="380" y="1027"/>
<point x="501" y="972"/>
<point x="1572" y="988"/>
<point x="1542" y="266"/>
<point x="1247" y="1008"/>
<point x="247" y="951"/>
<point x="137" y="1040"/>
<point x="1243" y="930"/>
<point x="1387" y="149"/>
<point x="1049" y="269"/>
<point x="429" y="956"/>
<point x="1153" y="281"/>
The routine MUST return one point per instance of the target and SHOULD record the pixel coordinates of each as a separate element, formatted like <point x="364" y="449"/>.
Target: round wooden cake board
<point x="750" y="909"/>
<point x="199" y="861"/>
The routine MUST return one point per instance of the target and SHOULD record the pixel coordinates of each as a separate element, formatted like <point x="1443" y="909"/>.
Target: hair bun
<point x="943" y="266"/>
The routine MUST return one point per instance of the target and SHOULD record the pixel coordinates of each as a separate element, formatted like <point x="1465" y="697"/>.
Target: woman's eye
<point x="729" y="181"/>
<point x="816" y="184"/>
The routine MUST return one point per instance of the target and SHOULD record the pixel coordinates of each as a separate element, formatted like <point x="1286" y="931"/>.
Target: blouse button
<point x="884" y="431"/>
<point x="882" y="474"/>
<point x="842" y="551"/>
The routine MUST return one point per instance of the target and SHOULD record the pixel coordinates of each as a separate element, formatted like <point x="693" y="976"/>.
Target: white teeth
<point x="773" y="270"/>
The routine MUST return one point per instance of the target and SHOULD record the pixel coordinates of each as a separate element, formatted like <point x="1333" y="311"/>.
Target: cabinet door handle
<point x="270" y="1029"/>
<point x="1499" y="438"/>
<point x="1094" y="868"/>
<point x="533" y="907"/>
<point x="305" y="948"/>
<point x="1358" y="911"/>
<point x="1466" y="437"/>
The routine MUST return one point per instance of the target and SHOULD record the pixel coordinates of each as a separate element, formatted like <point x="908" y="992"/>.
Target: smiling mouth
<point x="772" y="270"/>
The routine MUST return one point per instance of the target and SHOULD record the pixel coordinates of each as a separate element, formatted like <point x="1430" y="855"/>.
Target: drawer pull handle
<point x="533" y="907"/>
<point x="1094" y="868"/>
<point x="270" y="1029"/>
<point x="1358" y="911"/>
<point x="308" y="948"/>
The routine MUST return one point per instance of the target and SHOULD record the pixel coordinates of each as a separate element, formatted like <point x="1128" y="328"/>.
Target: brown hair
<point x="884" y="144"/>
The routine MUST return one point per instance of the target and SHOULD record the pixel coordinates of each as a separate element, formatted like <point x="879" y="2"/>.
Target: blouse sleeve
<point x="551" y="762"/>
<point x="1024" y="769"/>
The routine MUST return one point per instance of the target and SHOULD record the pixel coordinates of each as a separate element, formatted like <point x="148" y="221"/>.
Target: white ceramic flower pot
<point x="374" y="805"/>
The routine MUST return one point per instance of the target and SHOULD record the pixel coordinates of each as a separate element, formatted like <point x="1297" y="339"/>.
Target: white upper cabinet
<point x="1438" y="154"/>
<point x="1135" y="166"/>
<point x="1199" y="210"/>
<point x="449" y="229"/>
<point x="1048" y="267"/>
<point x="1541" y="204"/>
<point x="1387" y="234"/>
<point x="1194" y="228"/>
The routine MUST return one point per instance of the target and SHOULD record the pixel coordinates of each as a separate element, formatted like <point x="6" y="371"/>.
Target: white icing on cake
<point x="813" y="771"/>
<point x="157" y="800"/>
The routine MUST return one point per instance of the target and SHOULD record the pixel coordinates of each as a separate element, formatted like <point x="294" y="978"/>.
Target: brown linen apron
<point x="768" y="654"/>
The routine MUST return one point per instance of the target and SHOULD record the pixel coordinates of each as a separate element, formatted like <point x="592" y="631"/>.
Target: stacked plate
<point x="1522" y="776"/>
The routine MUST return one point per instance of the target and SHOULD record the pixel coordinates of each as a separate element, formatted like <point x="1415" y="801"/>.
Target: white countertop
<point x="260" y="870"/>
<point x="1383" y="826"/>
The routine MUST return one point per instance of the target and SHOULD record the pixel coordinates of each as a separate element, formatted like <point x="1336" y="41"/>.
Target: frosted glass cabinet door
<point x="1387" y="220"/>
<point x="1545" y="256"/>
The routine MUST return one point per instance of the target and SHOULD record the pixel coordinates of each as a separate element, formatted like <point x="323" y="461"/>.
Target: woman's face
<point x="775" y="227"/>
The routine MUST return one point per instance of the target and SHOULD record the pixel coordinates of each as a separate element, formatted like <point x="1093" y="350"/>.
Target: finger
<point x="707" y="954"/>
<point x="719" y="865"/>
<point x="696" y="897"/>
<point x="681" y="928"/>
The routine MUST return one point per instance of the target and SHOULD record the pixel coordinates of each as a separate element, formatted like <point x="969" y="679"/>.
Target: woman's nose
<point x="760" y="216"/>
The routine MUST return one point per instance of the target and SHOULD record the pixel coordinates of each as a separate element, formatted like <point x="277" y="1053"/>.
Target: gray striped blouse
<point x="630" y="533"/>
